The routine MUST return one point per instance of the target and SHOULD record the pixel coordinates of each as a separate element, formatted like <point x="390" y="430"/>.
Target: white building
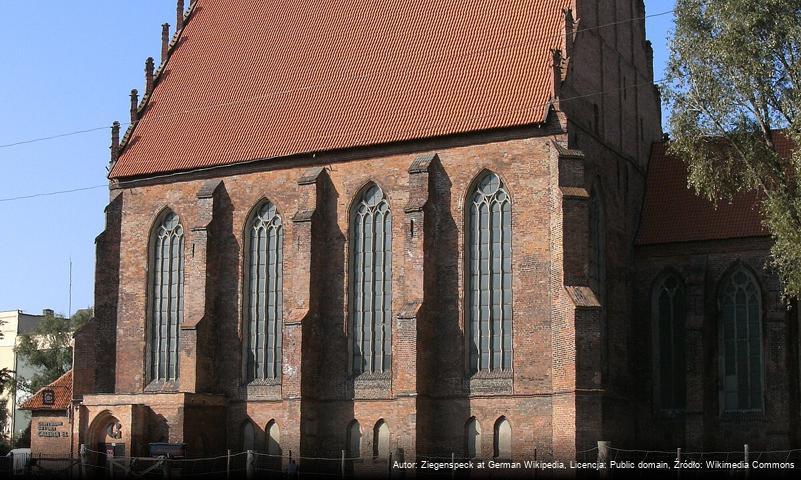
<point x="13" y="324"/>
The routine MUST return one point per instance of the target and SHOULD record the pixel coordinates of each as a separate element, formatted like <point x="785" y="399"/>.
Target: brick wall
<point x="702" y="266"/>
<point x="561" y="330"/>
<point x="51" y="434"/>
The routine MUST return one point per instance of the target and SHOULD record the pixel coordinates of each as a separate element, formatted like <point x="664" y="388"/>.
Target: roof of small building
<point x="672" y="212"/>
<point x="259" y="80"/>
<point x="62" y="395"/>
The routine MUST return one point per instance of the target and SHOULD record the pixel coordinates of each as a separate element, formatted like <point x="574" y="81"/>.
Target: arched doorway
<point x="107" y="437"/>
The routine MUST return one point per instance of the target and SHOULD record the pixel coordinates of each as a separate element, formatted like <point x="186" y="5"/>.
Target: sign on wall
<point x="51" y="429"/>
<point x="48" y="397"/>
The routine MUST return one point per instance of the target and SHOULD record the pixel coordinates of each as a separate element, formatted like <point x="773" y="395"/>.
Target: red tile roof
<point x="257" y="80"/>
<point x="672" y="212"/>
<point x="62" y="390"/>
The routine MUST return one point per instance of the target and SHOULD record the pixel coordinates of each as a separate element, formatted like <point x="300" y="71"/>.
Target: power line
<point x="48" y="194"/>
<point x="307" y="87"/>
<point x="130" y="183"/>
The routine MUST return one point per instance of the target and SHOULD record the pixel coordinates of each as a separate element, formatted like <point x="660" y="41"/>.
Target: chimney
<point x="165" y="41"/>
<point x="557" y="71"/>
<point x="134" y="105"/>
<point x="179" y="13"/>
<point x="149" y="75"/>
<point x="569" y="30"/>
<point x="115" y="141"/>
<point x="48" y="312"/>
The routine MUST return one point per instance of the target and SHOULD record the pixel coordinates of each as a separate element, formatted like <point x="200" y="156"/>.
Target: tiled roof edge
<point x="146" y="97"/>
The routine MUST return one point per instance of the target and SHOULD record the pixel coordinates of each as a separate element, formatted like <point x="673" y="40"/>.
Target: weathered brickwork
<point x="702" y="266"/>
<point x="50" y="434"/>
<point x="581" y="356"/>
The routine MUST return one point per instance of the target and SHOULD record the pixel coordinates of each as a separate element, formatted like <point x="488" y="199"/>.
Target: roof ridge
<point x="52" y="385"/>
<point x="156" y="77"/>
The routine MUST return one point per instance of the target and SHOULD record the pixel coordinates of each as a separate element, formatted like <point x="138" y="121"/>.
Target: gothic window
<point x="489" y="251"/>
<point x="273" y="438"/>
<point x="503" y="439"/>
<point x="167" y="304"/>
<point x="670" y="314"/>
<point x="264" y="294"/>
<point x="597" y="241"/>
<point x="473" y="438"/>
<point x="248" y="436"/>
<point x="740" y="326"/>
<point x="381" y="440"/>
<point x="354" y="440"/>
<point x="596" y="268"/>
<point x="371" y="291"/>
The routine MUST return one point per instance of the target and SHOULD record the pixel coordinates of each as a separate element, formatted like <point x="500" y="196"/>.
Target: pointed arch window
<point x="167" y="290"/>
<point x="503" y="439"/>
<point x="597" y="241"/>
<point x="489" y="250"/>
<point x="670" y="318"/>
<point x="381" y="440"/>
<point x="371" y="292"/>
<point x="264" y="294"/>
<point x="473" y="438"/>
<point x="273" y="438"/>
<point x="740" y="327"/>
<point x="354" y="440"/>
<point x="248" y="436"/>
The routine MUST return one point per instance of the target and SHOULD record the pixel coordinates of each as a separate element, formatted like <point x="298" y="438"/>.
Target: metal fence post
<point x="249" y="465"/>
<point x="228" y="464"/>
<point x="678" y="459"/>
<point x="389" y="465"/>
<point x="453" y="464"/>
<point x="745" y="452"/>
<point x="342" y="465"/>
<point x="84" y="460"/>
<point x="603" y="457"/>
<point x="165" y="468"/>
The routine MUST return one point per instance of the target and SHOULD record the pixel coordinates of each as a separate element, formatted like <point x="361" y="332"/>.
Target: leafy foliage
<point x="6" y="381"/>
<point x="734" y="74"/>
<point x="48" y="348"/>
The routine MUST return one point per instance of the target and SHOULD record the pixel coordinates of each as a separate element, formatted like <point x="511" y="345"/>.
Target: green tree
<point x="6" y="384"/>
<point x="733" y="79"/>
<point x="48" y="349"/>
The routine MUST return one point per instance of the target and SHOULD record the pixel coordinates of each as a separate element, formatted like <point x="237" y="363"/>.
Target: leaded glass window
<point x="167" y="304"/>
<point x="597" y="243"/>
<point x="489" y="250"/>
<point x="670" y="309"/>
<point x="741" y="336"/>
<point x="372" y="283"/>
<point x="264" y="294"/>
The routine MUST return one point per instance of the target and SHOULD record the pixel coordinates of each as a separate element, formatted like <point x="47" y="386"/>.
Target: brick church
<point x="421" y="228"/>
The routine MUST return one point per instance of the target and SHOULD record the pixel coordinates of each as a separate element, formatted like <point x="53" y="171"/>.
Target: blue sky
<point x="70" y="66"/>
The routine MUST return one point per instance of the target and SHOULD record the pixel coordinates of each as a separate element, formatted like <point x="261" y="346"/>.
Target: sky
<point x="70" y="66"/>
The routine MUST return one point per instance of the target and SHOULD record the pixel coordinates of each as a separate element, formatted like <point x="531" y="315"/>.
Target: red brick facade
<point x="578" y="367"/>
<point x="703" y="424"/>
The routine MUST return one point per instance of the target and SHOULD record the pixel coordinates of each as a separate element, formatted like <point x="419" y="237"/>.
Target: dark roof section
<point x="259" y="80"/>
<point x="672" y="212"/>
<point x="62" y="395"/>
